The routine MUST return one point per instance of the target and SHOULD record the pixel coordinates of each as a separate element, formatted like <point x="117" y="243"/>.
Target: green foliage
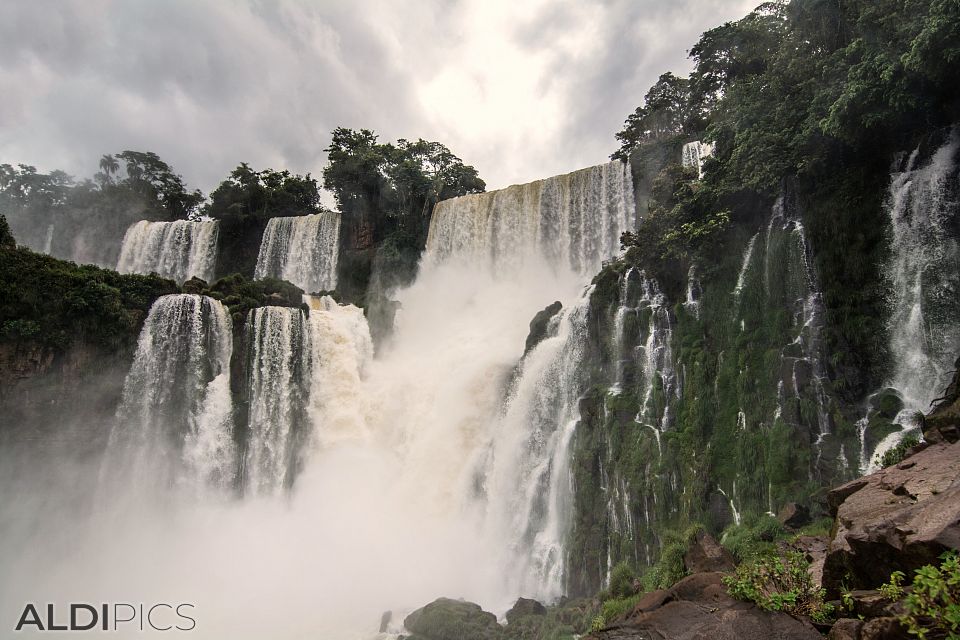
<point x="616" y="608"/>
<point x="6" y="236"/>
<point x="55" y="303"/>
<point x="240" y="294"/>
<point x="754" y="536"/>
<point x="933" y="605"/>
<point x="893" y="590"/>
<point x="91" y="216"/>
<point x="264" y="194"/>
<point x="393" y="187"/>
<point x="896" y="454"/>
<point x="780" y="583"/>
<point x="621" y="581"/>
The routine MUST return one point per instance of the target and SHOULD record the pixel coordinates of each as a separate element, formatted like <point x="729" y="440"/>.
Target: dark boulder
<point x="525" y="607"/>
<point x="897" y="519"/>
<point x="706" y="554"/>
<point x="540" y="324"/>
<point x="446" y="619"/>
<point x="794" y="516"/>
<point x="943" y="423"/>
<point x="845" y="629"/>
<point x="884" y="629"/>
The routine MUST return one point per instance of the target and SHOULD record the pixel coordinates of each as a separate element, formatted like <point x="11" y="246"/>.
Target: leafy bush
<point x="621" y="581"/>
<point x="754" y="536"/>
<point x="898" y="453"/>
<point x="933" y="605"/>
<point x="614" y="609"/>
<point x="780" y="583"/>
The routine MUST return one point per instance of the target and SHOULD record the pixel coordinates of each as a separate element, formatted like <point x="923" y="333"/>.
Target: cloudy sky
<point x="520" y="89"/>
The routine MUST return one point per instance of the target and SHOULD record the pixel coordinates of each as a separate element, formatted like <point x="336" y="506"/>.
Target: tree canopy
<point x="265" y="193"/>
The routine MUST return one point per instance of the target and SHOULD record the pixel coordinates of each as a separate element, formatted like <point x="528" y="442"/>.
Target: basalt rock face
<point x="943" y="423"/>
<point x="698" y="607"/>
<point x="897" y="519"/>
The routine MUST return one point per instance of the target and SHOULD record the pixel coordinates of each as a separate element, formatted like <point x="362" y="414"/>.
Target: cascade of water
<point x="659" y="376"/>
<point x="278" y="368"/>
<point x="529" y="484"/>
<point x="301" y="250"/>
<point x="924" y="276"/>
<point x="572" y="221"/>
<point x="341" y="351"/>
<point x="48" y="240"/>
<point x="694" y="153"/>
<point x="174" y="425"/>
<point x="178" y="250"/>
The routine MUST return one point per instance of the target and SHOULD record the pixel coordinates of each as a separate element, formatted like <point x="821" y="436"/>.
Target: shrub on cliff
<point x="780" y="583"/>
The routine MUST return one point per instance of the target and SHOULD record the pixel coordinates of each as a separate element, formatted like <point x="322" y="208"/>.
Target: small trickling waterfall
<point x="278" y="383"/>
<point x="694" y="153"/>
<point x="178" y="250"/>
<point x="175" y="425"/>
<point x="302" y="250"/>
<point x="574" y="220"/>
<point x="48" y="240"/>
<point x="924" y="278"/>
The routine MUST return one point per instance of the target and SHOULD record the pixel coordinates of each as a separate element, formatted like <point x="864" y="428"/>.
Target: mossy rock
<point x="446" y="619"/>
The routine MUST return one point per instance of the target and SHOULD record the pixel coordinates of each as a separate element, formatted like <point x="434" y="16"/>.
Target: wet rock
<point x="897" y="519"/>
<point x="706" y="554"/>
<point x="446" y="619"/>
<point x="794" y="516"/>
<point x="699" y="607"/>
<point x="943" y="423"/>
<point x="525" y="607"/>
<point x="385" y="621"/>
<point x="540" y="324"/>
<point x="845" y="629"/>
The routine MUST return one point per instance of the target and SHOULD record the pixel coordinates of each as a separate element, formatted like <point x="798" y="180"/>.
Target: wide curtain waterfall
<point x="178" y="250"/>
<point x="302" y="250"/>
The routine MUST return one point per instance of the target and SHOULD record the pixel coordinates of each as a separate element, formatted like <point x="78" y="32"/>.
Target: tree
<point x="264" y="194"/>
<point x="393" y="187"/>
<point x="666" y="110"/>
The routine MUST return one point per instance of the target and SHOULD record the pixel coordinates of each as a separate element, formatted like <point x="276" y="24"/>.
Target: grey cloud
<point x="209" y="84"/>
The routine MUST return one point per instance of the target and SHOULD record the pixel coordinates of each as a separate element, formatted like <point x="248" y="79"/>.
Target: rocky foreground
<point x="900" y="518"/>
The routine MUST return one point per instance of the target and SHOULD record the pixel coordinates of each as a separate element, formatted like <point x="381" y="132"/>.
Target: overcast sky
<point x="519" y="89"/>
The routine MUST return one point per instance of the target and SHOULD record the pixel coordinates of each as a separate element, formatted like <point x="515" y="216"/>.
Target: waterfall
<point x="174" y="425"/>
<point x="48" y="240"/>
<point x="530" y="485"/>
<point x="178" y="250"/>
<point x="572" y="221"/>
<point x="301" y="250"/>
<point x="278" y="366"/>
<point x="694" y="153"/>
<point x="923" y="205"/>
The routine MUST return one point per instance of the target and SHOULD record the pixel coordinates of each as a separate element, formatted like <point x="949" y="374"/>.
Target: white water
<point x="437" y="469"/>
<point x="175" y="425"/>
<point x="572" y="221"/>
<point x="301" y="250"/>
<point x="178" y="250"/>
<point x="922" y="271"/>
<point x="694" y="153"/>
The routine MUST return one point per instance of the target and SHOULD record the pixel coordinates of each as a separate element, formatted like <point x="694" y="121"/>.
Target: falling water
<point x="923" y="204"/>
<point x="178" y="250"/>
<point x="571" y="220"/>
<point x="302" y="250"/>
<point x="694" y="153"/>
<point x="278" y="367"/>
<point x="175" y="421"/>
<point x="48" y="240"/>
<point x="530" y="485"/>
<point x="398" y="471"/>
